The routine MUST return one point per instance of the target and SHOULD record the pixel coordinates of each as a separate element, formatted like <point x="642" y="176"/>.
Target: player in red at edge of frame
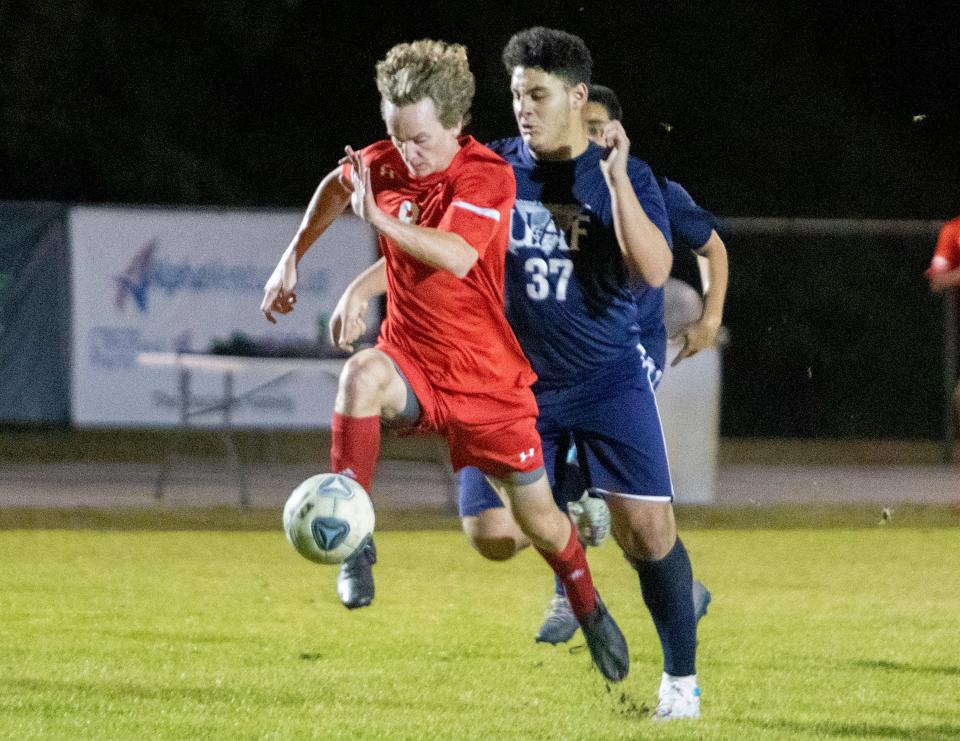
<point x="944" y="275"/>
<point x="446" y="359"/>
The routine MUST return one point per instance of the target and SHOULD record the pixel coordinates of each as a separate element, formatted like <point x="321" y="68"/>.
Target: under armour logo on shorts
<point x="525" y="455"/>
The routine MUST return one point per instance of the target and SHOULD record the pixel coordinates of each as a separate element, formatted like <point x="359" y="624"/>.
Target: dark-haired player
<point x="691" y="228"/>
<point x="446" y="360"/>
<point x="589" y="250"/>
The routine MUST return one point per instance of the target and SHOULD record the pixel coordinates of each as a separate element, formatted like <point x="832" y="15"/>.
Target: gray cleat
<point x="701" y="599"/>
<point x="559" y="624"/>
<point x="355" y="580"/>
<point x="608" y="647"/>
<point x="591" y="516"/>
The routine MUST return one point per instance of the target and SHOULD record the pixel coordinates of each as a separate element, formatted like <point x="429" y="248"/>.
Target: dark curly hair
<point x="608" y="99"/>
<point x="556" y="52"/>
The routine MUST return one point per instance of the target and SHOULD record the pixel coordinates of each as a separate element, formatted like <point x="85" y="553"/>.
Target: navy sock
<point x="666" y="587"/>
<point x="558" y="585"/>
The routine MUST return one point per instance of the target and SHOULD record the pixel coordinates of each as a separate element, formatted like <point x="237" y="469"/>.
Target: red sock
<point x="570" y="565"/>
<point x="355" y="447"/>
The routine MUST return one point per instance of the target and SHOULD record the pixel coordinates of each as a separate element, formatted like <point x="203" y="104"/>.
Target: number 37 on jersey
<point x="553" y="231"/>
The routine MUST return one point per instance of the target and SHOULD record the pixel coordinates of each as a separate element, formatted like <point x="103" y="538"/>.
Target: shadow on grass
<point x="901" y="666"/>
<point x="205" y="694"/>
<point x="822" y="729"/>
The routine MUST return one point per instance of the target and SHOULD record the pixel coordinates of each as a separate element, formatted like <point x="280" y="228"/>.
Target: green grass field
<point x="813" y="633"/>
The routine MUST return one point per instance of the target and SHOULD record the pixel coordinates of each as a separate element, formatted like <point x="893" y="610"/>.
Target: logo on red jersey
<point x="409" y="212"/>
<point x="387" y="172"/>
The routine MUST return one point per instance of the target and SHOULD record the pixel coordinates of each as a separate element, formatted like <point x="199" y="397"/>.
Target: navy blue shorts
<point x="614" y="423"/>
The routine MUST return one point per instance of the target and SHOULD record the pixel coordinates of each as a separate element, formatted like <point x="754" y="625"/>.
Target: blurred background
<point x="155" y="159"/>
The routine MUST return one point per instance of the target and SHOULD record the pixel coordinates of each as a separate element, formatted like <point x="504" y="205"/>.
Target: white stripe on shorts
<point x="640" y="497"/>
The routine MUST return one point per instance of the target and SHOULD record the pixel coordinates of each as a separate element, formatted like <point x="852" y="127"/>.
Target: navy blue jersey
<point x="690" y="227"/>
<point x="568" y="296"/>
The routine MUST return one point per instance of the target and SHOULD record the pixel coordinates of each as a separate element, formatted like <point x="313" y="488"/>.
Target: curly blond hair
<point x="429" y="69"/>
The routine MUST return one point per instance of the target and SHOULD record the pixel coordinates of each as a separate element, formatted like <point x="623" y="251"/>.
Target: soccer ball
<point x="327" y="517"/>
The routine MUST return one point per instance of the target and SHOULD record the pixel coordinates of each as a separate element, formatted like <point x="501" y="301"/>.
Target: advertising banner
<point x="152" y="284"/>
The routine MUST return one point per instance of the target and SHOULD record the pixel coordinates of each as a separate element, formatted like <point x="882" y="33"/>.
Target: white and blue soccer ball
<point x="327" y="518"/>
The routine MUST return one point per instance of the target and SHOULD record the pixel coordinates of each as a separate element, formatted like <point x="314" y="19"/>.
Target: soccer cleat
<point x="679" y="699"/>
<point x="608" y="647"/>
<point x="591" y="518"/>
<point x="701" y="599"/>
<point x="559" y="624"/>
<point x="355" y="580"/>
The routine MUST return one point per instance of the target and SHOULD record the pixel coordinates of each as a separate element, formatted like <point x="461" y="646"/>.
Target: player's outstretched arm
<point x="645" y="249"/>
<point x="703" y="332"/>
<point x="437" y="248"/>
<point x="328" y="202"/>
<point x="348" y="321"/>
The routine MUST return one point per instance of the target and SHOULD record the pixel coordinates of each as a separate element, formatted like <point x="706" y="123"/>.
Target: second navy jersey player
<point x="690" y="227"/>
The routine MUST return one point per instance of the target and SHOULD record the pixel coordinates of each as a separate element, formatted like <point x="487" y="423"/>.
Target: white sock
<point x="688" y="683"/>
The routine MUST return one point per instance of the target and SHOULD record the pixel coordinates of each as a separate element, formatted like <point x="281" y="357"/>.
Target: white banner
<point x="689" y="402"/>
<point x="182" y="281"/>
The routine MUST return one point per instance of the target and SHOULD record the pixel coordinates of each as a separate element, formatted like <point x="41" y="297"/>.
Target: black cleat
<point x="608" y="647"/>
<point x="355" y="580"/>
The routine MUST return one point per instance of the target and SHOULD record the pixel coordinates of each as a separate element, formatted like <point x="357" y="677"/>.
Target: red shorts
<point x="495" y="432"/>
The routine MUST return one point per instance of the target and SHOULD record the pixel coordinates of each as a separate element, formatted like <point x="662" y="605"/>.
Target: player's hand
<point x="362" y="201"/>
<point x="348" y="321"/>
<point x="696" y="337"/>
<point x="941" y="281"/>
<point x="278" y="293"/>
<point x="614" y="161"/>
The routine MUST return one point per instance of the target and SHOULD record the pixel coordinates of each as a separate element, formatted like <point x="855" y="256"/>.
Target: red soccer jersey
<point x="947" y="254"/>
<point x="454" y="328"/>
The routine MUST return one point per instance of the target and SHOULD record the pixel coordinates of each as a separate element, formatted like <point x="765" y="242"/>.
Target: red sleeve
<point x="483" y="195"/>
<point x="946" y="256"/>
<point x="368" y="154"/>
